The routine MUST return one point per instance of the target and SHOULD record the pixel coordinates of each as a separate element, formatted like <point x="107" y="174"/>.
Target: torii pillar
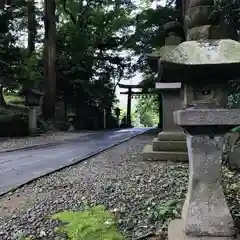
<point x="129" y="106"/>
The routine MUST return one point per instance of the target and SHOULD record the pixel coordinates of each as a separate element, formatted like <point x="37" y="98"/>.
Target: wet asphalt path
<point x="21" y="166"/>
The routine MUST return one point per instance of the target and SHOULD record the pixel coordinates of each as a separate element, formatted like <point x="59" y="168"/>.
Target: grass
<point x="14" y="99"/>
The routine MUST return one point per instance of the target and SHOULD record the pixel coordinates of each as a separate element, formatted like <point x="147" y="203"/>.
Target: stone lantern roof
<point x="173" y="32"/>
<point x="210" y="60"/>
<point x="155" y="56"/>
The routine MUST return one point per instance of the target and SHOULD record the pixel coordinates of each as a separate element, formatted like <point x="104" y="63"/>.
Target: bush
<point x="13" y="124"/>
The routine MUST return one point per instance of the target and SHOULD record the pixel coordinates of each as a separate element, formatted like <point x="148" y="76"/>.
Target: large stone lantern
<point x="205" y="68"/>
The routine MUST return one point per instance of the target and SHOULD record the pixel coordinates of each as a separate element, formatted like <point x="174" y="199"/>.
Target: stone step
<point x="179" y="146"/>
<point x="172" y="136"/>
<point x="149" y="155"/>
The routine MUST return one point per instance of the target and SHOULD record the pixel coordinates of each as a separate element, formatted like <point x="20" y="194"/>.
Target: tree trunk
<point x="31" y="26"/>
<point x="2" y="100"/>
<point x="49" y="59"/>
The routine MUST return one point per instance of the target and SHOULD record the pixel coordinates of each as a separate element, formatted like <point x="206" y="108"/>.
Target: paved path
<point x="21" y="166"/>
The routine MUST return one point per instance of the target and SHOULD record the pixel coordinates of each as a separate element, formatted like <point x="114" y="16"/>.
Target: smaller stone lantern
<point x="205" y="68"/>
<point x="171" y="141"/>
<point x="32" y="97"/>
<point x="32" y="100"/>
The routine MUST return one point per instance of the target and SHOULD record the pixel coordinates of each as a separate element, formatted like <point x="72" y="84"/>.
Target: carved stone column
<point x="205" y="212"/>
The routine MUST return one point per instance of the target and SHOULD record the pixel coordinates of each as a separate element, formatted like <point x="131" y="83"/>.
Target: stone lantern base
<point x="169" y="145"/>
<point x="176" y="232"/>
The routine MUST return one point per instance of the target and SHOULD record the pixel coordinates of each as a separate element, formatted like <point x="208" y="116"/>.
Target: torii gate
<point x="130" y="93"/>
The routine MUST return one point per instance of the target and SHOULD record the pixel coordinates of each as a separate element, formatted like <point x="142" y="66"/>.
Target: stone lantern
<point x="32" y="97"/>
<point x="32" y="100"/>
<point x="205" y="68"/>
<point x="170" y="143"/>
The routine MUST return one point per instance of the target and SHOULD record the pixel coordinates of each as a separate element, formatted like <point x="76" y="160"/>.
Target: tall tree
<point x="5" y="16"/>
<point x="32" y="26"/>
<point x="49" y="59"/>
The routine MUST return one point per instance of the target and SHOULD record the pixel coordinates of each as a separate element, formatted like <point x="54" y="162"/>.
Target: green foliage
<point x="14" y="99"/>
<point x="147" y="109"/>
<point x="232" y="193"/>
<point x="230" y="10"/>
<point x="91" y="39"/>
<point x="91" y="70"/>
<point x="234" y="98"/>
<point x="165" y="210"/>
<point x="93" y="223"/>
<point x="236" y="129"/>
<point x="30" y="72"/>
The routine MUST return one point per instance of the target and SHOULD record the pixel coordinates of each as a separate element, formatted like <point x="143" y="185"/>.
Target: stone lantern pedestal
<point x="171" y="142"/>
<point x="205" y="68"/>
<point x="205" y="214"/>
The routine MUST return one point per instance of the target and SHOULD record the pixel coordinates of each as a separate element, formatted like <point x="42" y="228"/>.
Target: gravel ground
<point x="14" y="143"/>
<point x="117" y="178"/>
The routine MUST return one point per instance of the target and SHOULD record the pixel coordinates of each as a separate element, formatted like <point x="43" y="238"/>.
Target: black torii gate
<point x="130" y="93"/>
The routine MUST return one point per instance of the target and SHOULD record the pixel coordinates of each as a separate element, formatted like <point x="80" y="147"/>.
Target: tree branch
<point x="68" y="12"/>
<point x="71" y="15"/>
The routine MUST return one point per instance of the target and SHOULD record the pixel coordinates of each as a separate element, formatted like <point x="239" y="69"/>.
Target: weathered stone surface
<point x="204" y="32"/>
<point x="172" y="136"/>
<point x="187" y="93"/>
<point x="172" y="26"/>
<point x="224" y="51"/>
<point x="203" y="21"/>
<point x="205" y="214"/>
<point x="205" y="211"/>
<point x="201" y="117"/>
<point x="199" y="16"/>
<point x="210" y="95"/>
<point x="161" y="52"/>
<point x="172" y="40"/>
<point x="171" y="102"/>
<point x="149" y="155"/>
<point x="176" y="232"/>
<point x="214" y="61"/>
<point x="173" y="33"/>
<point x="205" y="96"/>
<point x="169" y="145"/>
<point x="163" y="86"/>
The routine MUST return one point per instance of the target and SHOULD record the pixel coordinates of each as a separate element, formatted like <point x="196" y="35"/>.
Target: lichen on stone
<point x="202" y="52"/>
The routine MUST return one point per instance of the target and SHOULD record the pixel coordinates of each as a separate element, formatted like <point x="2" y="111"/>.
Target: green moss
<point x="93" y="223"/>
